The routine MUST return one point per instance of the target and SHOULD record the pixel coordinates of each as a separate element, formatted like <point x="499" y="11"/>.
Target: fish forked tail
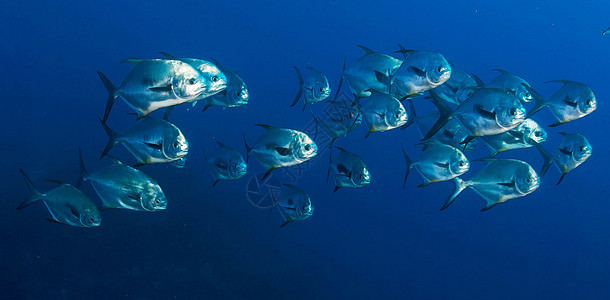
<point x="445" y="115"/>
<point x="548" y="160"/>
<point x="248" y="148"/>
<point x="540" y="101"/>
<point x="83" y="171"/>
<point x="298" y="96"/>
<point x="112" y="139"/>
<point x="36" y="195"/>
<point x="411" y="120"/>
<point x="460" y="185"/>
<point x="409" y="166"/>
<point x="111" y="91"/>
<point x="341" y="79"/>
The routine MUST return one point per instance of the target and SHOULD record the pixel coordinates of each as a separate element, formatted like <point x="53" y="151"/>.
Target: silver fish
<point x="572" y="101"/>
<point x="420" y="71"/>
<point x="314" y="88"/>
<point x="121" y="186"/>
<point x="66" y="204"/>
<point x="488" y="111"/>
<point x="383" y="112"/>
<point x="513" y="83"/>
<point x="281" y="147"/>
<point x="571" y="153"/>
<point x="499" y="181"/>
<point x="150" y="141"/>
<point x="456" y="89"/>
<point x="368" y="72"/>
<point x="349" y="170"/>
<point x="226" y="164"/>
<point x="437" y="162"/>
<point x="526" y="135"/>
<point x="235" y="95"/>
<point x="294" y="204"/>
<point x="155" y="83"/>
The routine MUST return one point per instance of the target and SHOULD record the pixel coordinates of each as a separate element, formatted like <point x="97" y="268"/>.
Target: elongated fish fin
<point x="286" y="223"/>
<point x="500" y="70"/>
<point x="265" y="126"/>
<point x="112" y="139"/>
<point x="418" y="71"/>
<point x="161" y="89"/>
<point x="213" y="60"/>
<point x="300" y="92"/>
<point x="167" y="55"/>
<point x="132" y="60"/>
<point x="336" y="188"/>
<point x="167" y="112"/>
<point x="561" y="178"/>
<point x="484" y="113"/>
<point x="467" y="140"/>
<point x="269" y="172"/>
<point x="206" y="106"/>
<point x="83" y="171"/>
<point x="411" y="120"/>
<point x="489" y="205"/>
<point x="111" y="91"/>
<point x="548" y="160"/>
<point x="409" y="166"/>
<point x="445" y="116"/>
<point x="383" y="78"/>
<point x="330" y="163"/>
<point x="215" y="182"/>
<point x="460" y="185"/>
<point x="366" y="50"/>
<point x="477" y="79"/>
<point x="405" y="53"/>
<point x="540" y="101"/>
<point x="247" y="150"/>
<point x="341" y="79"/>
<point x="564" y="82"/>
<point x="36" y="195"/>
<point x="115" y="160"/>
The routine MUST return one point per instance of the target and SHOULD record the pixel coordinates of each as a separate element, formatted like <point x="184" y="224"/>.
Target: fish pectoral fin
<point x="283" y="151"/>
<point x="161" y="89"/>
<point x="382" y="78"/>
<point x="442" y="165"/>
<point x="484" y="113"/>
<point x="418" y="71"/>
<point x="73" y="210"/>
<point x="157" y="146"/>
<point x="570" y="103"/>
<point x="55" y="221"/>
<point x="565" y="151"/>
<point x="508" y="184"/>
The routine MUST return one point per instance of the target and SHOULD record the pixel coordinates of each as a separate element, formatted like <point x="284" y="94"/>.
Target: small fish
<point x="281" y="147"/>
<point x="341" y="117"/>
<point x="604" y="32"/>
<point x="488" y="111"/>
<point x="368" y="71"/>
<point x="235" y="95"/>
<point x="437" y="162"/>
<point x="457" y="88"/>
<point x="155" y="83"/>
<point x="150" y="141"/>
<point x="420" y="71"/>
<point x="572" y="101"/>
<point x="121" y="186"/>
<point x="349" y="170"/>
<point x="383" y="112"/>
<point x="66" y="204"/>
<point x="226" y="164"/>
<point x="571" y="153"/>
<point x="314" y="88"/>
<point x="526" y="135"/>
<point x="512" y="83"/>
<point x="499" y="181"/>
<point x="293" y="203"/>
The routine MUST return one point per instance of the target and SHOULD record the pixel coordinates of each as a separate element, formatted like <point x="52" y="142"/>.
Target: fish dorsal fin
<point x="477" y="79"/>
<point x="58" y="182"/>
<point x="167" y="55"/>
<point x="563" y="81"/>
<point x="132" y="60"/>
<point x="501" y="71"/>
<point x="267" y="127"/>
<point x="405" y="53"/>
<point x="214" y="61"/>
<point x="366" y="50"/>
<point x="341" y="149"/>
<point x="115" y="160"/>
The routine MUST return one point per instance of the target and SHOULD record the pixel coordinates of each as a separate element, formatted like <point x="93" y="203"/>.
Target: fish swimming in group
<point x="154" y="84"/>
<point x="383" y="112"/>
<point x="293" y="203"/>
<point x="122" y="186"/>
<point x="281" y="147"/>
<point x="66" y="204"/>
<point x="572" y="101"/>
<point x="457" y="88"/>
<point x="226" y="164"/>
<point x="420" y="71"/>
<point x="512" y="83"/>
<point x="314" y="88"/>
<point x="349" y="170"/>
<point x="340" y="118"/>
<point x="488" y="111"/>
<point x="526" y="135"/>
<point x="367" y="73"/>
<point x="498" y="182"/>
<point x="574" y="150"/>
<point x="234" y="95"/>
<point x="151" y="141"/>
<point x="437" y="162"/>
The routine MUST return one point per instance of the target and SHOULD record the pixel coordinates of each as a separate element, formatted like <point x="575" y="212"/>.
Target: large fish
<point x="457" y="88"/>
<point x="314" y="88"/>
<point x="155" y="83"/>
<point x="513" y="83"/>
<point x="226" y="164"/>
<point x="526" y="135"/>
<point x="235" y="95"/>
<point x="293" y="203"/>
<point x="383" y="112"/>
<point x="437" y="162"/>
<point x="368" y="72"/>
<point x="281" y="147"/>
<point x="420" y="71"/>
<point x="348" y="170"/>
<point x="572" y="101"/>
<point x="341" y="117"/>
<point x="571" y="153"/>
<point x="150" y="141"/>
<point x="66" y="204"/>
<point x="498" y="182"/>
<point x="488" y="111"/>
<point x="121" y="186"/>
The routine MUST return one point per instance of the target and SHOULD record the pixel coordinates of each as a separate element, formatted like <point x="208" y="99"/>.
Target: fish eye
<point x="157" y="201"/>
<point x="529" y="180"/>
<point x="321" y="89"/>
<point x="215" y="78"/>
<point x="583" y="148"/>
<point x="440" y="69"/>
<point x="589" y="102"/>
<point x="527" y="94"/>
<point x="461" y="163"/>
<point x="191" y="81"/>
<point x="537" y="133"/>
<point x="512" y="111"/>
<point x="307" y="147"/>
<point x="176" y="144"/>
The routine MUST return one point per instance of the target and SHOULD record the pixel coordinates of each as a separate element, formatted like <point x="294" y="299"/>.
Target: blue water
<point x="376" y="242"/>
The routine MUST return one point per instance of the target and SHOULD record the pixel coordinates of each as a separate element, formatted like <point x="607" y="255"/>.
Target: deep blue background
<point x="374" y="242"/>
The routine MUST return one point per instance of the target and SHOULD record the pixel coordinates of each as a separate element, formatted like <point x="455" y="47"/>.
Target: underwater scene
<point x="305" y="150"/>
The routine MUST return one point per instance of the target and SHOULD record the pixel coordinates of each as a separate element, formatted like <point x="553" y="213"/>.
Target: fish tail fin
<point x="112" y="139"/>
<point x="445" y="116"/>
<point x="167" y="112"/>
<point x="111" y="91"/>
<point x="540" y="101"/>
<point x="247" y="150"/>
<point x="409" y="165"/>
<point x="548" y="160"/>
<point x="83" y="171"/>
<point x="341" y="79"/>
<point x="36" y="195"/>
<point x="330" y="161"/>
<point x="460" y="185"/>
<point x="561" y="178"/>
<point x="477" y="79"/>
<point x="298" y="96"/>
<point x="412" y="118"/>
